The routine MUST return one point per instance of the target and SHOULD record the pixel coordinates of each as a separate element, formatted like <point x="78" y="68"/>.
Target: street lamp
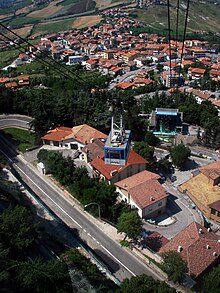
<point x="85" y="206"/>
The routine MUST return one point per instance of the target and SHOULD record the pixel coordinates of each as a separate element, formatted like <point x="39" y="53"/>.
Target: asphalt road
<point x="18" y="121"/>
<point x="116" y="257"/>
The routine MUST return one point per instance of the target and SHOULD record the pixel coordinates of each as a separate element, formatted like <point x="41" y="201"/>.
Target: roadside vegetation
<point x="83" y="188"/>
<point x="22" y="139"/>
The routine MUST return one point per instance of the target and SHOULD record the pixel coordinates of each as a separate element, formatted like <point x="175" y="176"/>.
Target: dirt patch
<point x="23" y="32"/>
<point x="102" y="3"/>
<point x="85" y="21"/>
<point x="5" y="16"/>
<point x="23" y="10"/>
<point x="47" y="11"/>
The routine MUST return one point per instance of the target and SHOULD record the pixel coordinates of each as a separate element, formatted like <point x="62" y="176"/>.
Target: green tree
<point x="16" y="227"/>
<point x="129" y="223"/>
<point x="174" y="265"/>
<point x="3" y="264"/>
<point x="179" y="155"/>
<point x="40" y="276"/>
<point x="211" y="281"/>
<point x="151" y="139"/>
<point x="144" y="150"/>
<point x="144" y="283"/>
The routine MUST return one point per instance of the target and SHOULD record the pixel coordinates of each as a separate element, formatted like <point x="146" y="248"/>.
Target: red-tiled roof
<point x="144" y="188"/>
<point x="4" y="79"/>
<point x="211" y="169"/>
<point x="106" y="169"/>
<point x="215" y="205"/>
<point x="57" y="134"/>
<point x="198" y="247"/>
<point x="125" y="85"/>
<point x="155" y="241"/>
<point x="82" y="133"/>
<point x="137" y="179"/>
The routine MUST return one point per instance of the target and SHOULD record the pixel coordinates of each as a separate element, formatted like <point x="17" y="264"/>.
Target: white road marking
<point x="72" y="218"/>
<point x="117" y="260"/>
<point x="50" y="198"/>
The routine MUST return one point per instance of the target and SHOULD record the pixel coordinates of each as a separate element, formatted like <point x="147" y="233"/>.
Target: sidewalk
<point x="141" y="254"/>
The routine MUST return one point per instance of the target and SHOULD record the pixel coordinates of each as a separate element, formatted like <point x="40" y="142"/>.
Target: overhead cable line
<point x="177" y="25"/>
<point x="61" y="65"/>
<point x="41" y="60"/>
<point x="184" y="33"/>
<point x="169" y="35"/>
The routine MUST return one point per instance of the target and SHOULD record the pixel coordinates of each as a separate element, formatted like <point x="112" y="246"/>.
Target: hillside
<point x="203" y="16"/>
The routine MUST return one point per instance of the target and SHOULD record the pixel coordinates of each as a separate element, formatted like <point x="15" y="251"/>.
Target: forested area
<point x="60" y="101"/>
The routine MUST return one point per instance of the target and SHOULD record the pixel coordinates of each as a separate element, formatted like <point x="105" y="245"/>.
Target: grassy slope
<point x="6" y="57"/>
<point x="21" y="138"/>
<point x="202" y="16"/>
<point x="53" y="27"/>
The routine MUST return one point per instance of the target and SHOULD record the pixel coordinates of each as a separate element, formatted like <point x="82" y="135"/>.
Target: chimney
<point x="214" y="253"/>
<point x="209" y="229"/>
<point x="179" y="249"/>
<point x="200" y="231"/>
<point x="151" y="198"/>
<point x="207" y="246"/>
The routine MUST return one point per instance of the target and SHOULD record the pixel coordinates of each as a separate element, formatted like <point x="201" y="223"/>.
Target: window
<point x="218" y="214"/>
<point x="160" y="204"/>
<point x="74" y="146"/>
<point x="213" y="211"/>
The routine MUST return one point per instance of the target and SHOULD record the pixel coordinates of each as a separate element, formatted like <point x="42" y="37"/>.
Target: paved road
<point x="110" y="251"/>
<point x="18" y="121"/>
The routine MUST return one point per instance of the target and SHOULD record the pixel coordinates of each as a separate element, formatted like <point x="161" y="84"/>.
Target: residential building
<point x="199" y="248"/>
<point x="72" y="138"/>
<point x="115" y="173"/>
<point x="144" y="192"/>
<point x="204" y="190"/>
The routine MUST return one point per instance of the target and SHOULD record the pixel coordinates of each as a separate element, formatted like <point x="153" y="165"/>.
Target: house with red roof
<point x="196" y="73"/>
<point x="72" y="138"/>
<point x="144" y="192"/>
<point x="199" y="248"/>
<point x="204" y="190"/>
<point x="114" y="173"/>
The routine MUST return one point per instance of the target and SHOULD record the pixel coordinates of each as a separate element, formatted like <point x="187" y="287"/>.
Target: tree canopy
<point x="41" y="276"/>
<point x="130" y="223"/>
<point x="211" y="281"/>
<point x="144" y="150"/>
<point x="16" y="228"/>
<point x="174" y="266"/>
<point x="179" y="155"/>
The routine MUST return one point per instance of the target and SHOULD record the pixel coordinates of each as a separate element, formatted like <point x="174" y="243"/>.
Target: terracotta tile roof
<point x="4" y="79"/>
<point x="196" y="70"/>
<point x="84" y="133"/>
<point x="106" y="169"/>
<point x="155" y="241"/>
<point x="125" y="85"/>
<point x="215" y="205"/>
<point x="58" y="134"/>
<point x="144" y="188"/>
<point x="211" y="170"/>
<point x="137" y="179"/>
<point x="11" y="84"/>
<point x="94" y="149"/>
<point x="199" y="248"/>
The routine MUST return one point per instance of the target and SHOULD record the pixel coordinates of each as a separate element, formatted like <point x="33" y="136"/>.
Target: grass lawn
<point x="6" y="57"/>
<point x="53" y="27"/>
<point x="23" y="139"/>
